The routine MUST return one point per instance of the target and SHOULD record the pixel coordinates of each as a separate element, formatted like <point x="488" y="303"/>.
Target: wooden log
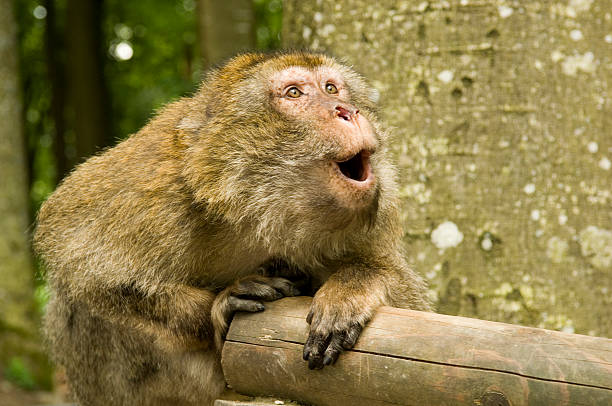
<point x="255" y="402"/>
<point x="407" y="357"/>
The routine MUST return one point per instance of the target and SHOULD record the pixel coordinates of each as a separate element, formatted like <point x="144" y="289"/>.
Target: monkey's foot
<point x="247" y="295"/>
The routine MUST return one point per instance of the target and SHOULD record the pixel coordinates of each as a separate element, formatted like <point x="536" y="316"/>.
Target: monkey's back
<point x="121" y="220"/>
<point x="114" y="207"/>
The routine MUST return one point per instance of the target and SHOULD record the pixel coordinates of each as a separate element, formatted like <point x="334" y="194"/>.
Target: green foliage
<point x="41" y="296"/>
<point x="38" y="126"/>
<point x="268" y="23"/>
<point x="163" y="66"/>
<point x="17" y="372"/>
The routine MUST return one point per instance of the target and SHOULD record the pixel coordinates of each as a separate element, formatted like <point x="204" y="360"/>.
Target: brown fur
<point x="146" y="242"/>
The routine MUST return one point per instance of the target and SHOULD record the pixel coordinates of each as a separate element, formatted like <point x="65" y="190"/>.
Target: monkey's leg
<point x="348" y="300"/>
<point x="131" y="348"/>
<point x="246" y="294"/>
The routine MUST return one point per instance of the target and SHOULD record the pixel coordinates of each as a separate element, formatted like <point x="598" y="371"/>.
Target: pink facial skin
<point x="320" y="97"/>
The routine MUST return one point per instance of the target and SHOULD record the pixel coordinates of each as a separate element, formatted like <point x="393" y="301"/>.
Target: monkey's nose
<point x="345" y="113"/>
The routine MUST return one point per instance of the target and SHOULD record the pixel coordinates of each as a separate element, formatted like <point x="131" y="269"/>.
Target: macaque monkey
<point x="276" y="162"/>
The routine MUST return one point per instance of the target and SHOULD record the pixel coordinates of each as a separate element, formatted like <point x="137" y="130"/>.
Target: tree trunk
<point x="57" y="79"/>
<point x="88" y="95"/>
<point x="501" y="113"/>
<point x="225" y="28"/>
<point x="17" y="316"/>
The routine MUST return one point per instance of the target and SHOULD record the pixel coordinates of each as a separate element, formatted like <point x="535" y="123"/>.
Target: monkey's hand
<point x="246" y="294"/>
<point x="335" y="324"/>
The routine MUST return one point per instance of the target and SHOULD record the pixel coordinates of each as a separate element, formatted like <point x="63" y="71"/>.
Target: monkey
<point x="274" y="172"/>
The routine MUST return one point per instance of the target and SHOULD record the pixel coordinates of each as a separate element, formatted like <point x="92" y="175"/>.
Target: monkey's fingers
<point x="334" y="348"/>
<point x="265" y="288"/>
<point x="321" y="349"/>
<point x="313" y="318"/>
<point x="351" y="336"/>
<point x="314" y="349"/>
<point x="285" y="286"/>
<point x="237" y="304"/>
<point x="253" y="289"/>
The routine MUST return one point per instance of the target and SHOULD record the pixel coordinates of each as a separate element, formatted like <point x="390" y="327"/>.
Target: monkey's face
<point x="318" y="100"/>
<point x="289" y="146"/>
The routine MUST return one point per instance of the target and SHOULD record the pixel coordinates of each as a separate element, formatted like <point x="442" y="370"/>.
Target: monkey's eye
<point x="294" y="92"/>
<point x="331" y="88"/>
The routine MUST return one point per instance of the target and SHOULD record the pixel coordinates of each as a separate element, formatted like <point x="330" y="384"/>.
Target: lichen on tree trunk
<point x="501" y="112"/>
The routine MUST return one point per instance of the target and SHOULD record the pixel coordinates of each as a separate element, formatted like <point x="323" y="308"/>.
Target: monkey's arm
<point x="178" y="314"/>
<point x="349" y="298"/>
<point x="174" y="315"/>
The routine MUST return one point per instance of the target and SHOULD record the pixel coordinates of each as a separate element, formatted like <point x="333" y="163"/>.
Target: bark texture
<point x="225" y="28"/>
<point x="501" y="112"/>
<point x="17" y="315"/>
<point x="87" y="93"/>
<point x="57" y="79"/>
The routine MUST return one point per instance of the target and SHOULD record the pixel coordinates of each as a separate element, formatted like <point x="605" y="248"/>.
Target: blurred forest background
<point x="500" y="112"/>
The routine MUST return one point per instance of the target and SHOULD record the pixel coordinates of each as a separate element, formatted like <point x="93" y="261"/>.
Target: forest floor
<point x="11" y="395"/>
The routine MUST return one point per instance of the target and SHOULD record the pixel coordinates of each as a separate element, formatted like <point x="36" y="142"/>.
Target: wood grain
<point x="407" y="357"/>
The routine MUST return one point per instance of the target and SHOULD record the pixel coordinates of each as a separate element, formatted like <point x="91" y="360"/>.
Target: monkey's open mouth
<point x="357" y="167"/>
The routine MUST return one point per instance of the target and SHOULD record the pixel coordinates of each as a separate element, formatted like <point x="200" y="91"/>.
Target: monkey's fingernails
<point x="306" y="351"/>
<point x="305" y="354"/>
<point x="315" y="363"/>
<point x="244" y="305"/>
<point x="308" y="345"/>
<point x="334" y="348"/>
<point x="276" y="295"/>
<point x="312" y="356"/>
<point x="285" y="286"/>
